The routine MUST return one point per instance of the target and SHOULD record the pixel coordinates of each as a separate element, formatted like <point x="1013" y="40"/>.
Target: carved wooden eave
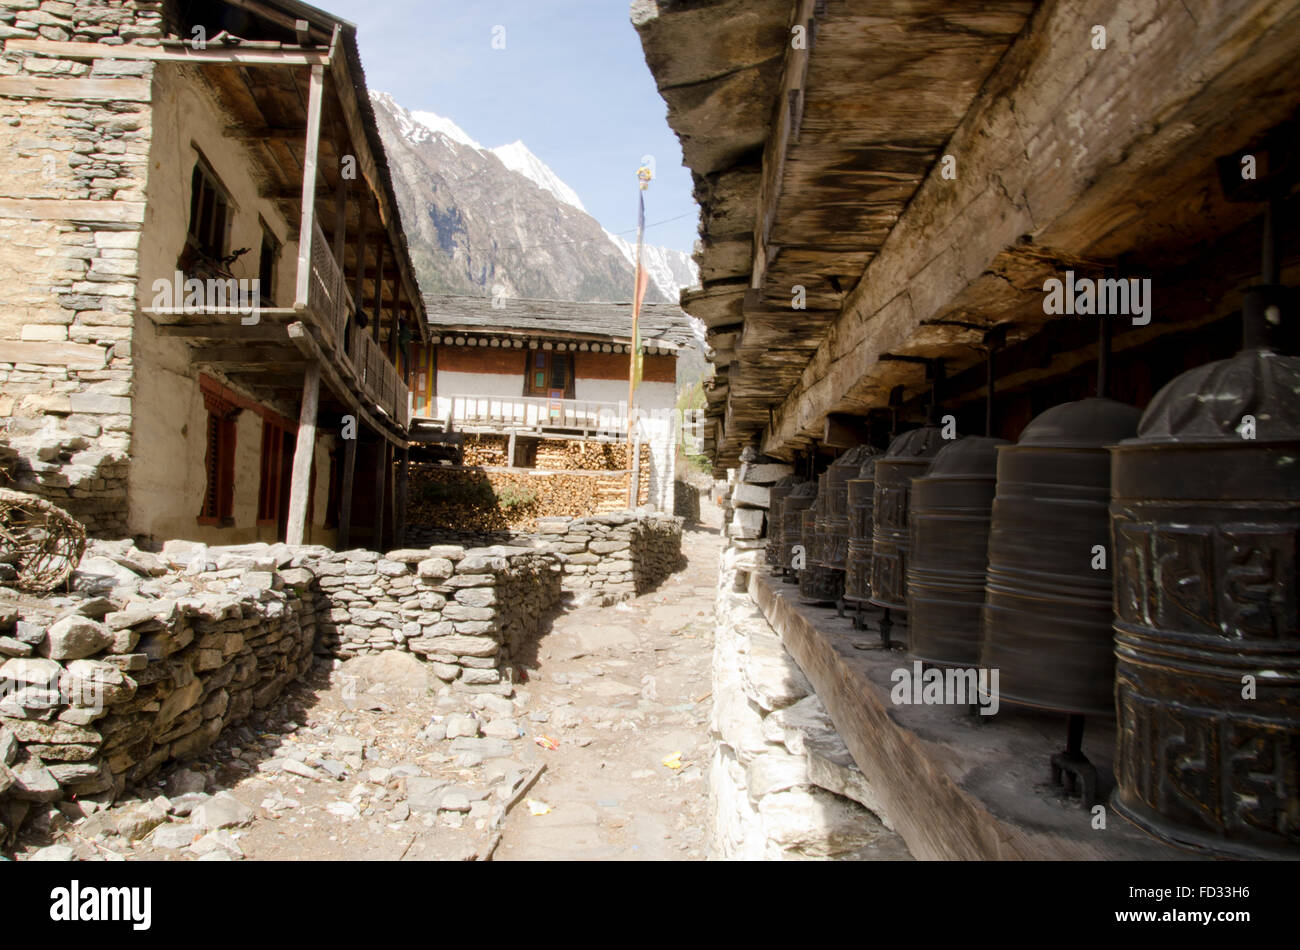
<point x="1064" y="156"/>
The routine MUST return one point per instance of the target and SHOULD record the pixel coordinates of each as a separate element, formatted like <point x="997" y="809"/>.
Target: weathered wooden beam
<point x="844" y="432"/>
<point x="308" y="219"/>
<point x="307" y="344"/>
<point x="107" y="90"/>
<point x="303" y="457"/>
<point x="178" y="54"/>
<point x="273" y="333"/>
<point x="1110" y="179"/>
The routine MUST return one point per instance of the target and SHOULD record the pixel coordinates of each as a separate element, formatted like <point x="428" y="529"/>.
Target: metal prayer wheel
<point x="909" y="455"/>
<point x="951" y="507"/>
<point x="799" y="500"/>
<point x="818" y="583"/>
<point x="1206" y="517"/>
<point x="861" y="500"/>
<point x="1047" y="609"/>
<point x="834" y="526"/>
<point x="775" y="525"/>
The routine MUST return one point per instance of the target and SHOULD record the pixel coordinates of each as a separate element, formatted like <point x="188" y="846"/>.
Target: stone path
<point x="371" y="759"/>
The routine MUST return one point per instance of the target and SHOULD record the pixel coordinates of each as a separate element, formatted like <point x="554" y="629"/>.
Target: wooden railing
<point x="532" y="412"/>
<point x="362" y="358"/>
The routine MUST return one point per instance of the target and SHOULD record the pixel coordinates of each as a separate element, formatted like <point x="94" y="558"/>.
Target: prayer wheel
<point x="775" y="524"/>
<point x="834" y="526"/>
<point x="799" y="500"/>
<point x="861" y="499"/>
<point x="909" y="455"/>
<point x="819" y="584"/>
<point x="1047" y="608"/>
<point x="951" y="507"/>
<point x="1205" y="514"/>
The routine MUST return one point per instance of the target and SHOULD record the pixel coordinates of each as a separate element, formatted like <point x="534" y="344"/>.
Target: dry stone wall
<point x="71" y="209"/>
<point x="153" y="655"/>
<point x="782" y="783"/>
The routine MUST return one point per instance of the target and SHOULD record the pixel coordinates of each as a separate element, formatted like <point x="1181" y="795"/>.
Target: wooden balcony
<point x="533" y="414"/>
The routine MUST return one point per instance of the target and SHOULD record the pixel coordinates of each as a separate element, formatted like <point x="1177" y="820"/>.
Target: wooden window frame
<point x="206" y="186"/>
<point x="549" y="357"/>
<point x="218" y="506"/>
<point x="266" y="273"/>
<point x="275" y="475"/>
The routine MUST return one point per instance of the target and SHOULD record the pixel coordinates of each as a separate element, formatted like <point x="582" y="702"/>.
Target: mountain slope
<point x="484" y="221"/>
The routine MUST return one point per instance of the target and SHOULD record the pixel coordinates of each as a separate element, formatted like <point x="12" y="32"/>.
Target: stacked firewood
<point x="562" y="455"/>
<point x="486" y="450"/>
<point x="478" y="501"/>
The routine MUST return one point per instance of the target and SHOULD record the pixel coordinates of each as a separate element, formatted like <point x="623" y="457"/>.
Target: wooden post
<point x="345" y="503"/>
<point x="381" y="484"/>
<point x="358" y="299"/>
<point x="510" y="451"/>
<point x="403" y="474"/>
<point x="312" y="151"/>
<point x="634" y="493"/>
<point x="303" y="456"/>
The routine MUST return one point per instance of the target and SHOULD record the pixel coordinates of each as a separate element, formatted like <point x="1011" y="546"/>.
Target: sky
<point x="571" y="83"/>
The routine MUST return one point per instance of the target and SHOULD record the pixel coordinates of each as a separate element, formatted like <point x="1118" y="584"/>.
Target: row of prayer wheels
<point x="1108" y="563"/>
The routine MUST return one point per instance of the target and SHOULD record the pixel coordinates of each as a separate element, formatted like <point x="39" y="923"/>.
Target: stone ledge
<point x="953" y="789"/>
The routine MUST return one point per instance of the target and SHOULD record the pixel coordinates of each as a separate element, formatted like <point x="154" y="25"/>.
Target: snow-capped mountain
<point x="518" y="158"/>
<point x="480" y="218"/>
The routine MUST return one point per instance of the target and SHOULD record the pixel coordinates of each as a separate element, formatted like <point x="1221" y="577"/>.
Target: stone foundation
<point x="782" y="784"/>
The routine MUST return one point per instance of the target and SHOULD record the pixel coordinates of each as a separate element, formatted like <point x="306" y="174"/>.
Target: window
<point x="209" y="212"/>
<point x="276" y="473"/>
<point x="219" y="463"/>
<point x="549" y="374"/>
<point x="266" y="265"/>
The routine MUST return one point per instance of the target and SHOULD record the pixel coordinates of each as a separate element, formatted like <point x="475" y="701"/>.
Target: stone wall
<point x="782" y="784"/>
<point x="149" y="661"/>
<point x="71" y="209"/>
<point x="466" y="611"/>
<point x="607" y="558"/>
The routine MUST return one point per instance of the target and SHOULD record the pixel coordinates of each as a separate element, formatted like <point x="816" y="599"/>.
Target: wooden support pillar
<point x="511" y="459"/>
<point x="303" y="455"/>
<point x="634" y="491"/>
<point x="381" y="484"/>
<point x="403" y="476"/>
<point x="345" y="504"/>
<point x="312" y="151"/>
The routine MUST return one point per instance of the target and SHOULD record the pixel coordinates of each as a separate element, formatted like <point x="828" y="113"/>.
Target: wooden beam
<point x="107" y="90"/>
<point x="224" y="331"/>
<point x="306" y="343"/>
<point x="179" y="54"/>
<point x="303" y="457"/>
<point x="378" y="315"/>
<point x="307" y="222"/>
<point x="844" y="432"/>
<point x="345" y="502"/>
<point x="1105" y="182"/>
<point x="403" y="478"/>
<point x="73" y="209"/>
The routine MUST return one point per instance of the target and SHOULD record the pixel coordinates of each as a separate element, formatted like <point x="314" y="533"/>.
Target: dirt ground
<point x="370" y="760"/>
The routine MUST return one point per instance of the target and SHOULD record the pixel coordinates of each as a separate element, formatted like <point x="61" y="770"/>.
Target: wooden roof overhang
<point x="661" y="325"/>
<point x="1064" y="156"/>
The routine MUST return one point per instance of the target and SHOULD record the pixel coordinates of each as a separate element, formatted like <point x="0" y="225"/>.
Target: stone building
<point x="549" y="372"/>
<point x="161" y="157"/>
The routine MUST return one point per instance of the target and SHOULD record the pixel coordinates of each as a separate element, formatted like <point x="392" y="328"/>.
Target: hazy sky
<point x="572" y="83"/>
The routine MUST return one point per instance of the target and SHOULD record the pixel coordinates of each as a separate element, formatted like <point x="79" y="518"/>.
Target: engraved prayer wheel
<point x="908" y="456"/>
<point x="775" y="524"/>
<point x="861" y="498"/>
<point x="1206" y="517"/>
<point x="1047" y="608"/>
<point x="834" y="525"/>
<point x="951" y="507"/>
<point x="799" y="500"/>
<point x="818" y="584"/>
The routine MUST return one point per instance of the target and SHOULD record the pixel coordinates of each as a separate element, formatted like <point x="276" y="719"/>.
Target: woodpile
<point x="487" y="450"/>
<point x="480" y="500"/>
<point x="566" y="455"/>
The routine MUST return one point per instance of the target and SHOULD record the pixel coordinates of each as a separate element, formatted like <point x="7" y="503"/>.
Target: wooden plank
<point x="108" y="90"/>
<point x="255" y="334"/>
<point x="303" y="457"/>
<point x="308" y="219"/>
<point x="73" y="209"/>
<point x="74" y="50"/>
<point x="70" y="355"/>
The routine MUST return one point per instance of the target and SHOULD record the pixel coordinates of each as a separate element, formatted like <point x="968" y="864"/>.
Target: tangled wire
<point x="41" y="541"/>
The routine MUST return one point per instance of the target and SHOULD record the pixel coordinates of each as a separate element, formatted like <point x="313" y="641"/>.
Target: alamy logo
<point x="1107" y="296"/>
<point x="77" y="903"/>
<point x="180" y="294"/>
<point x="951" y="687"/>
